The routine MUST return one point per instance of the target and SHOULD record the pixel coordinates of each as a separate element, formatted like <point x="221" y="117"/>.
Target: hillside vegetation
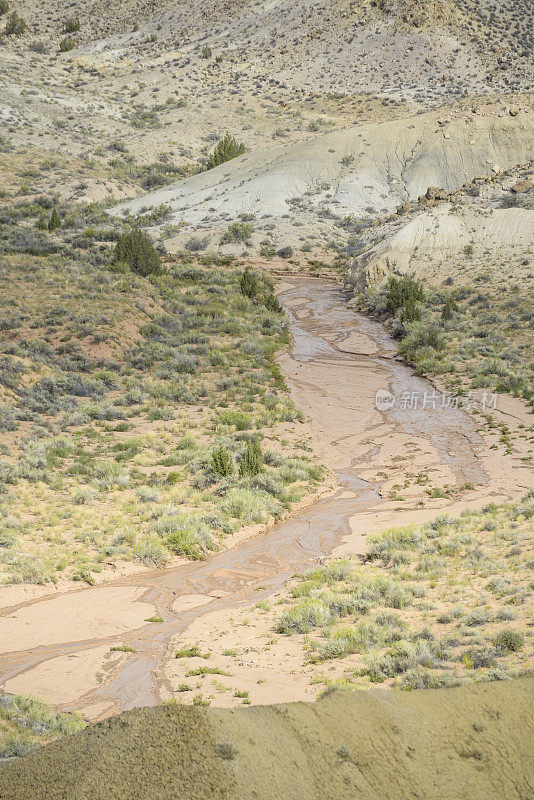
<point x="431" y="606"/>
<point x="27" y="723"/>
<point x="117" y="391"/>
<point x="441" y="604"/>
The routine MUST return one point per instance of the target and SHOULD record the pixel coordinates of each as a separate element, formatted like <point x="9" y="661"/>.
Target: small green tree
<point x="252" y="461"/>
<point x="249" y="283"/>
<point x="4" y="7"/>
<point x="225" y="150"/>
<point x="137" y="251"/>
<point x="449" y="307"/>
<point x="15" y="25"/>
<point x="273" y="304"/>
<point x="221" y="462"/>
<point x="54" y="221"/>
<point x="42" y="224"/>
<point x="401" y="292"/>
<point x="410" y="311"/>
<point x="510" y="640"/>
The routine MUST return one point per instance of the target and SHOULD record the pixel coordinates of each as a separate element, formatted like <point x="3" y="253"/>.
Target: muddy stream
<point x="337" y="362"/>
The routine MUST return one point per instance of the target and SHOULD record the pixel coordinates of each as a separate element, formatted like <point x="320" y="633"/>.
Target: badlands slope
<point x="441" y="744"/>
<point x="362" y="170"/>
<point x="434" y="245"/>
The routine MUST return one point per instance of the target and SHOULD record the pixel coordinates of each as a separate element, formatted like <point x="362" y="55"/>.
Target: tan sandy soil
<point x="66" y="677"/>
<point x="97" y="613"/>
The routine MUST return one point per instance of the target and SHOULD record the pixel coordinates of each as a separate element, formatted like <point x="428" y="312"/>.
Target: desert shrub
<point x="151" y="551"/>
<point x="285" y="252"/>
<point x="206" y="52"/>
<point x="30" y="569"/>
<point x="421" y="338"/>
<point x="137" y="251"/>
<point x="252" y="461"/>
<point x="4" y="7"/>
<point x="66" y="45"/>
<point x="506" y="614"/>
<point x="183" y="543"/>
<point x="147" y="494"/>
<point x="509" y="640"/>
<point x="237" y="232"/>
<point x="239" y="419"/>
<point x="195" y="244"/>
<point x="8" y="419"/>
<point x="250" y="505"/>
<point x="302" y="618"/>
<point x="184" y="534"/>
<point x="38" y="717"/>
<point x="477" y="657"/>
<point x="268" y="483"/>
<point x="72" y="25"/>
<point x="476" y="618"/>
<point x="15" y="25"/>
<point x="333" y="572"/>
<point x="383" y="545"/>
<point x="226" y="149"/>
<point x="16" y="745"/>
<point x="222" y="462"/>
<point x="401" y="292"/>
<point x="420" y="678"/>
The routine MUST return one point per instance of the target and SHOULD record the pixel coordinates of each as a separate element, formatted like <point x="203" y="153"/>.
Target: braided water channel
<point x="337" y="362"/>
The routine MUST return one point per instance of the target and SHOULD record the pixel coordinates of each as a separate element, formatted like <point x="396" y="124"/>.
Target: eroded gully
<point x="337" y="362"/>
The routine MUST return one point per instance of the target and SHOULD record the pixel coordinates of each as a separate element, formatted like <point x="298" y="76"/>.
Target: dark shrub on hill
<point x="225" y="150"/>
<point x="137" y="251"/>
<point x="401" y="292"/>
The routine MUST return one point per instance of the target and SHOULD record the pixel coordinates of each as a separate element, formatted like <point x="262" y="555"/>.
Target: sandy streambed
<point x="338" y="362"/>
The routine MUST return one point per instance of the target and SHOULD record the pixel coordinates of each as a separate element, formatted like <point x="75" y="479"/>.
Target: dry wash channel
<point x="59" y="647"/>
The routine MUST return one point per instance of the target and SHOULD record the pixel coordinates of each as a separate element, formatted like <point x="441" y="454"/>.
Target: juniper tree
<point x="225" y="150"/>
<point x="403" y="291"/>
<point x="221" y="462"/>
<point x="249" y="283"/>
<point x="137" y="251"/>
<point x="449" y="306"/>
<point x="273" y="304"/>
<point x="252" y="461"/>
<point x="54" y="221"/>
<point x="15" y="25"/>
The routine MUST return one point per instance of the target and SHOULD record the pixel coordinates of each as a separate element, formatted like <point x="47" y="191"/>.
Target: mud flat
<point x="339" y="360"/>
